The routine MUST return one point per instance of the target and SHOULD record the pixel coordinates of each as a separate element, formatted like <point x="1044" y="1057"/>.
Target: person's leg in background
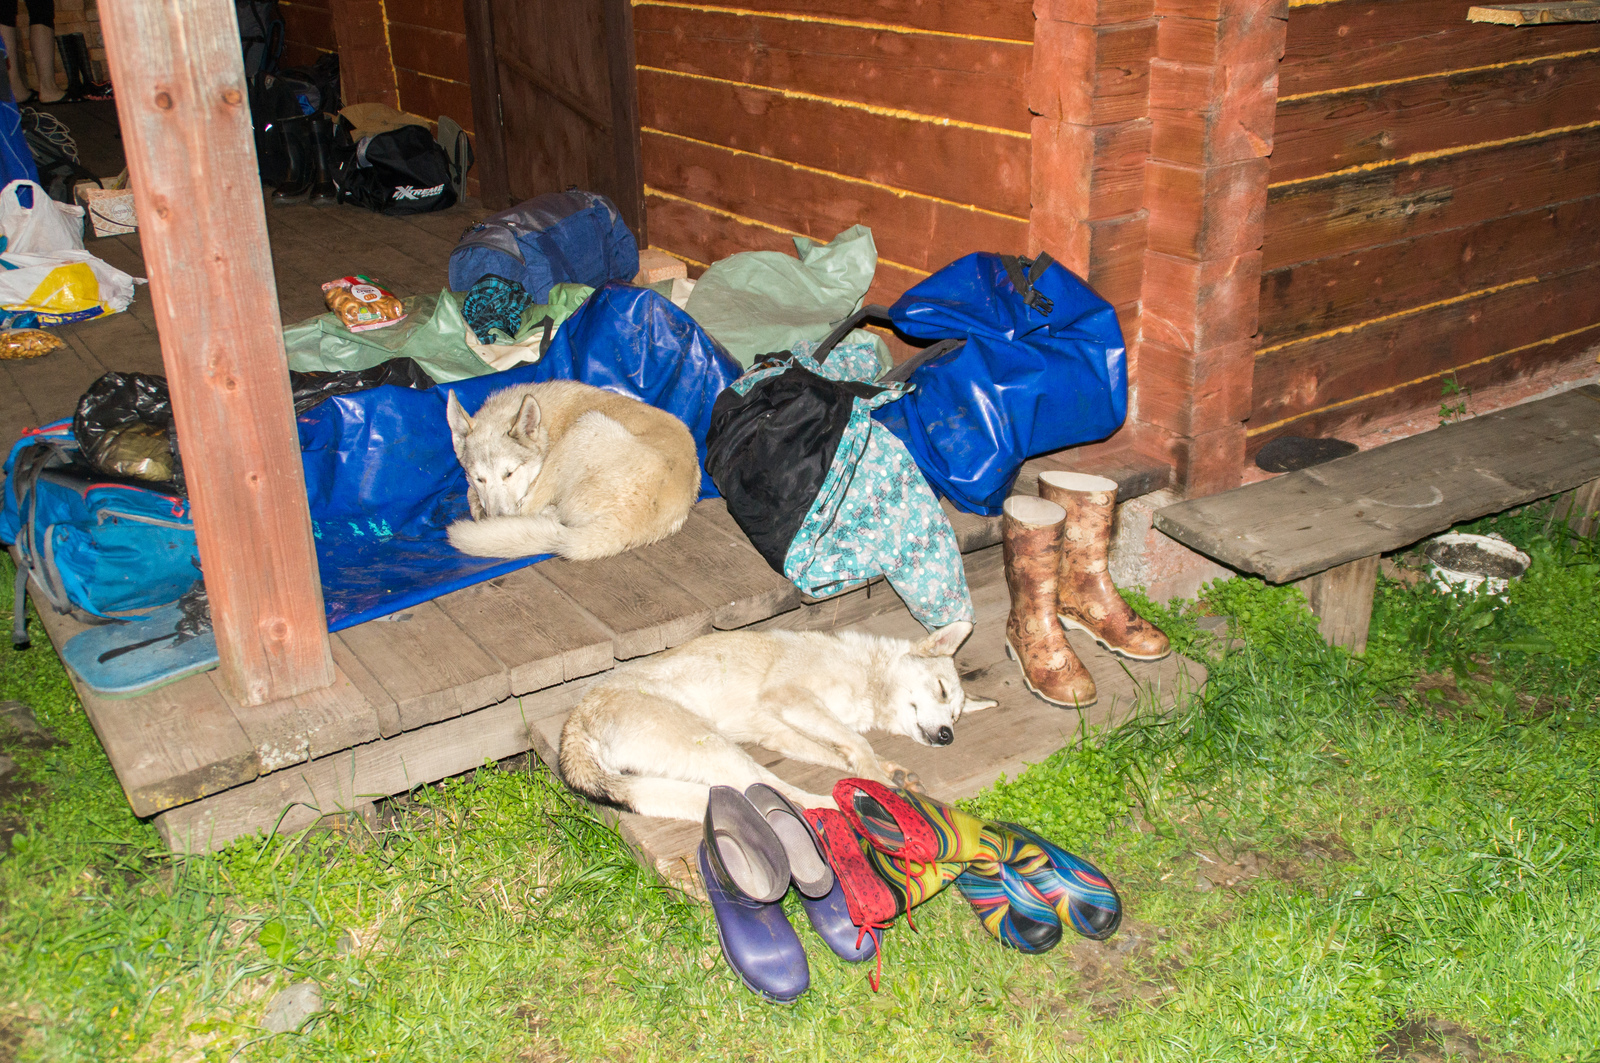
<point x="42" y="39"/>
<point x="8" y="35"/>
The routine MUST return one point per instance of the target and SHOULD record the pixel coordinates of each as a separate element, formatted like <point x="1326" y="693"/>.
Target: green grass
<point x="1320" y="849"/>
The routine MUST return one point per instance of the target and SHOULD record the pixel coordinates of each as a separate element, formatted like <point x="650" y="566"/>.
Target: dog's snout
<point x="944" y="737"/>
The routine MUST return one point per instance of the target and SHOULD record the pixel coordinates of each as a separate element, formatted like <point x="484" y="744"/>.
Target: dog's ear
<point x="945" y="641"/>
<point x="526" y="422"/>
<point x="973" y="704"/>
<point x="456" y="414"/>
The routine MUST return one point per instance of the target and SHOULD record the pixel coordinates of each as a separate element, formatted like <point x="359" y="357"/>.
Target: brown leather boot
<point x="1087" y="599"/>
<point x="1034" y="639"/>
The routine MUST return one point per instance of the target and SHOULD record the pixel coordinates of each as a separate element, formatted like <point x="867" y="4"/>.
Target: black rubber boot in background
<point x="301" y="175"/>
<point x="323" y="189"/>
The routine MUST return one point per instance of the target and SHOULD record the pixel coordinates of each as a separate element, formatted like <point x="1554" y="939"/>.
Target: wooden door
<point x="555" y="101"/>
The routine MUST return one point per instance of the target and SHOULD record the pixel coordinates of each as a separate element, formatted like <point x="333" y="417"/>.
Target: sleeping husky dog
<point x="565" y="468"/>
<point x="655" y="736"/>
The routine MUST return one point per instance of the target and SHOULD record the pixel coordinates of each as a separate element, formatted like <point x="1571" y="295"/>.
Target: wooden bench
<point x="1325" y="528"/>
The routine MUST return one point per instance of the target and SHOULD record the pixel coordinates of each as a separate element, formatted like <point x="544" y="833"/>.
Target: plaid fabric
<point x="495" y="303"/>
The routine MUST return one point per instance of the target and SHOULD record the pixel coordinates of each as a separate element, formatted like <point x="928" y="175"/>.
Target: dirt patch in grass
<point x="1429" y="1040"/>
<point x="1115" y="973"/>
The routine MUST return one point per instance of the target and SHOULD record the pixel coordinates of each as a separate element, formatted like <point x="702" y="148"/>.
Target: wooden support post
<point x="186" y="128"/>
<point x="1341" y="597"/>
<point x="1580" y="508"/>
<point x="1213" y="99"/>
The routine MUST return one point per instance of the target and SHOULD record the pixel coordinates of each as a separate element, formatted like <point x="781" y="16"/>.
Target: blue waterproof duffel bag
<point x="381" y="475"/>
<point x="1030" y="360"/>
<point x="557" y="238"/>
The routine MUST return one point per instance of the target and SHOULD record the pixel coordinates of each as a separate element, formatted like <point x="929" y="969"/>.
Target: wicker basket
<point x="110" y="210"/>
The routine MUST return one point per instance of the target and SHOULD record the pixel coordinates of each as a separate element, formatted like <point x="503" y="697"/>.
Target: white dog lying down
<point x="565" y="468"/>
<point x="655" y="736"/>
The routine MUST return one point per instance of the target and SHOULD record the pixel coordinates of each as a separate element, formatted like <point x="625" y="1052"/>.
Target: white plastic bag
<point x="43" y="225"/>
<point x="63" y="287"/>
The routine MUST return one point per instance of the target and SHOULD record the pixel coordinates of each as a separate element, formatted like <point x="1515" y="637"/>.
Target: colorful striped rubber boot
<point x="1013" y="912"/>
<point x="911" y="826"/>
<point x="1082" y="896"/>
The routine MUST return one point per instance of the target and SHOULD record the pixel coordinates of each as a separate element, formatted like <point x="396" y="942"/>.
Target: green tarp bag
<point x="759" y="302"/>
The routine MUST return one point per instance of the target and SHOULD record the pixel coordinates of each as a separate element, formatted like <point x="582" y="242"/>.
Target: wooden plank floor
<point x="1021" y="730"/>
<point x="482" y="672"/>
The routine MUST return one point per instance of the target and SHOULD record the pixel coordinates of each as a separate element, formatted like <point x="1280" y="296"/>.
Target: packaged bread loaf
<point x="361" y="304"/>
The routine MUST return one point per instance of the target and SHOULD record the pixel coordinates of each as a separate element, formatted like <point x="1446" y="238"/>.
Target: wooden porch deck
<point x="490" y="671"/>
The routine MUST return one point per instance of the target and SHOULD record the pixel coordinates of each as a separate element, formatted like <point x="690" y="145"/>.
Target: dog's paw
<point x="904" y="779"/>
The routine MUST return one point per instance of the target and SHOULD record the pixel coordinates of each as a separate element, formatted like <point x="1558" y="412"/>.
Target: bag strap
<point x="898" y="374"/>
<point x="872" y="311"/>
<point x="1024" y="274"/>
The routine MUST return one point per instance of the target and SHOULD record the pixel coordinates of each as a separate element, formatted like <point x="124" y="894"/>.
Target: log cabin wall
<point x="775" y="118"/>
<point x="307" y="31"/>
<point x="410" y="54"/>
<point x="1432" y="211"/>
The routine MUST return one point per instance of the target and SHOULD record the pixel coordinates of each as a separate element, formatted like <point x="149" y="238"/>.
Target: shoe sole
<point x="1073" y="625"/>
<point x="1063" y="704"/>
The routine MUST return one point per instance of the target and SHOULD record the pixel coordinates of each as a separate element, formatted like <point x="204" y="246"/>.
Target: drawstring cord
<point x="876" y="932"/>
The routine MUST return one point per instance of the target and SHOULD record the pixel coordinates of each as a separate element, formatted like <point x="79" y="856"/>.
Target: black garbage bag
<point x="312" y="388"/>
<point x="123" y="424"/>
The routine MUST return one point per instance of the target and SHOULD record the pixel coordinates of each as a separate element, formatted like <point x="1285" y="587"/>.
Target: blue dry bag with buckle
<point x="1028" y="360"/>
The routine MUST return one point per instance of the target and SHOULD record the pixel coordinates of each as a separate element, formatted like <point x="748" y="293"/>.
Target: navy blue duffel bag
<point x="557" y="238"/>
<point x="1030" y="360"/>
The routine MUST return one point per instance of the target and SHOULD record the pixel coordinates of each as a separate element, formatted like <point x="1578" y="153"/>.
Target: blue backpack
<point x="94" y="546"/>
<point x="557" y="238"/>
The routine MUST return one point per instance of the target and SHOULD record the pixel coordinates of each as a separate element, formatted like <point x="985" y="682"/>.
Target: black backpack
<point x="260" y="35"/>
<point x="403" y="171"/>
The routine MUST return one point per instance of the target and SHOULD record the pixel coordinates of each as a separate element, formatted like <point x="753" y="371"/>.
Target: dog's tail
<point x="511" y="536"/>
<point x="583" y="769"/>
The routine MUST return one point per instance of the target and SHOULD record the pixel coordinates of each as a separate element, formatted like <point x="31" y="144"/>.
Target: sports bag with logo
<point x="95" y="545"/>
<point x="402" y="171"/>
<point x="1029" y="360"/>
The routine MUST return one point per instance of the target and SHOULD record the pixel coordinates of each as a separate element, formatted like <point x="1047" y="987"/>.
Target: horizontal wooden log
<point x="1341" y="215"/>
<point x="1209" y="213"/>
<point x="1190" y="394"/>
<point x="1093" y="12"/>
<point x="1236" y="122"/>
<point x="1196" y="306"/>
<point x="1091" y="75"/>
<point x="435" y="14"/>
<point x="1219" y="9"/>
<point x="1422" y="396"/>
<point x="979" y="81"/>
<point x="1373" y="282"/>
<point x="1314" y="373"/>
<point x="985" y="169"/>
<point x="432" y="97"/>
<point x="309" y="26"/>
<point x="1252" y="35"/>
<point x="1116" y="257"/>
<point x="366" y="71"/>
<point x="1356" y="42"/>
<point x="441" y="53"/>
<point x="1088" y="172"/>
<point x="1004" y="19"/>
<point x="1321" y="134"/>
<point x="915" y="230"/>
